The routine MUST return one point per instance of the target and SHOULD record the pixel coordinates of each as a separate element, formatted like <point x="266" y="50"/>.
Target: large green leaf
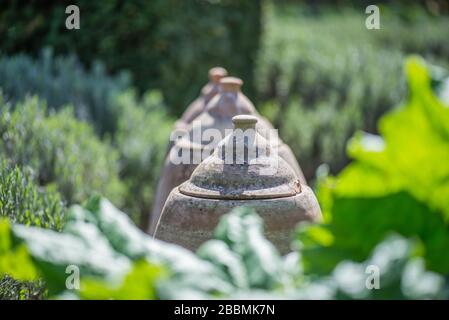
<point x="185" y="268"/>
<point x="398" y="182"/>
<point x="138" y="284"/>
<point x="14" y="260"/>
<point x="112" y="256"/>
<point x="243" y="252"/>
<point x="411" y="156"/>
<point x="358" y="224"/>
<point x="401" y="274"/>
<point x="87" y="250"/>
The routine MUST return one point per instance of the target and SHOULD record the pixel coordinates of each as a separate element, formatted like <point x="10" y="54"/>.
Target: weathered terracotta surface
<point x="220" y="110"/>
<point x="189" y="221"/>
<point x="207" y="93"/>
<point x="198" y="106"/>
<point x="216" y="186"/>
<point x="233" y="102"/>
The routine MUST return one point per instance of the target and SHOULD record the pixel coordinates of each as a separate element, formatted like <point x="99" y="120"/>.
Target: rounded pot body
<point x="172" y="175"/>
<point x="175" y="174"/>
<point x="189" y="221"/>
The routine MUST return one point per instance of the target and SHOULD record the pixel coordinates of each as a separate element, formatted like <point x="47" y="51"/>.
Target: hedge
<point x="166" y="44"/>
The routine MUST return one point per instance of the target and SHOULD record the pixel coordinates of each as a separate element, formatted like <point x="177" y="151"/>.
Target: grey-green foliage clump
<point x="322" y="76"/>
<point x="62" y="80"/>
<point x="136" y="127"/>
<point x="61" y="151"/>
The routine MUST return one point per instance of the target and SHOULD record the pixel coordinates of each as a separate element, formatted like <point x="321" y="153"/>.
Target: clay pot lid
<point x="220" y="110"/>
<point x="242" y="166"/>
<point x="202" y="123"/>
<point x="209" y="121"/>
<point x="230" y="101"/>
<point x="231" y="83"/>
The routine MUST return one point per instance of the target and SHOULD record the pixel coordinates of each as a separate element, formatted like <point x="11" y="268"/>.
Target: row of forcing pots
<point x="246" y="167"/>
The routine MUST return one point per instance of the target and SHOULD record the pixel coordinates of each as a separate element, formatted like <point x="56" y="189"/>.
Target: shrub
<point x="63" y="80"/>
<point x="22" y="201"/>
<point x="420" y="33"/>
<point x="11" y="289"/>
<point x="165" y="44"/>
<point x="60" y="150"/>
<point x="323" y="76"/>
<point x="141" y="140"/>
<point x="130" y="120"/>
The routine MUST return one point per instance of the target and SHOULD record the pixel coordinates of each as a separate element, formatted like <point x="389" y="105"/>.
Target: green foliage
<point x="132" y="264"/>
<point x="60" y="151"/>
<point x="398" y="182"/>
<point x="165" y="44"/>
<point x="61" y="81"/>
<point x="319" y="82"/>
<point x="117" y="261"/>
<point x="420" y="34"/>
<point x="399" y="270"/>
<point x="15" y="259"/>
<point x="11" y="289"/>
<point x="322" y="76"/>
<point x="137" y="284"/>
<point x="241" y="247"/>
<point x="379" y="193"/>
<point x="22" y="201"/>
<point x="141" y="140"/>
<point x="104" y="244"/>
<point x="101" y="100"/>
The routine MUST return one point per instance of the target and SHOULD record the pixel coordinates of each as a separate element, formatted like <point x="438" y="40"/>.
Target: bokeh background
<point x="89" y="111"/>
<point x="311" y="67"/>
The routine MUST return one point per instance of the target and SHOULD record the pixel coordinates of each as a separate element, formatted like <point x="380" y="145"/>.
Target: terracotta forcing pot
<point x="242" y="171"/>
<point x="218" y="116"/>
<point x="220" y="110"/>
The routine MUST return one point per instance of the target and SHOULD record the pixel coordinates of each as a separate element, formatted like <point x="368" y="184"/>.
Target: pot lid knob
<point x="246" y="144"/>
<point x="216" y="74"/>
<point x="231" y="84"/>
<point x="244" y="121"/>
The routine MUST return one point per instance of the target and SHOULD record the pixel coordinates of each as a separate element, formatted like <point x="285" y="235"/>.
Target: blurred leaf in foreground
<point x="14" y="260"/>
<point x="398" y="182"/>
